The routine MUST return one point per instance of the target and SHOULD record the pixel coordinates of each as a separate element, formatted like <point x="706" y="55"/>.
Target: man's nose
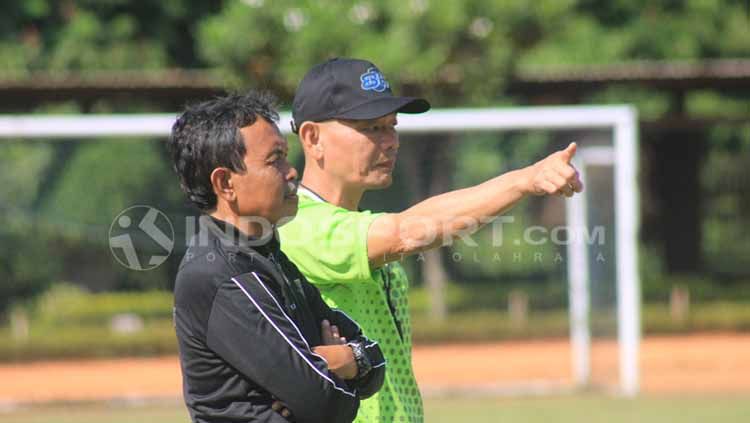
<point x="390" y="141"/>
<point x="292" y="174"/>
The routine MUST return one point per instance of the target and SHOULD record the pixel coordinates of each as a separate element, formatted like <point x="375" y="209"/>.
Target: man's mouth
<point x="387" y="164"/>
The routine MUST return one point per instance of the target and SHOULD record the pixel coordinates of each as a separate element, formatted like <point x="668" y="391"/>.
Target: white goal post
<point x="623" y="156"/>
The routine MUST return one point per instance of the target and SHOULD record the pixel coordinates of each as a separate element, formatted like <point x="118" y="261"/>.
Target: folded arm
<point x="366" y="380"/>
<point x="250" y="330"/>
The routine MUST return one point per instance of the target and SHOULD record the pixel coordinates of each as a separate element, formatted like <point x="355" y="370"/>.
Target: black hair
<point x="207" y="135"/>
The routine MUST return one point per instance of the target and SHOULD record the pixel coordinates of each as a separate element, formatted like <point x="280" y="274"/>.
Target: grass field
<point x="729" y="409"/>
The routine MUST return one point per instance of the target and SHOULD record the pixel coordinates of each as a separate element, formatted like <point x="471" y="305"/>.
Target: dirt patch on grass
<point x="711" y="363"/>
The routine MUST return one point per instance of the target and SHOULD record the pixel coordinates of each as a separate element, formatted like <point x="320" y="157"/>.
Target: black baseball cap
<point x="348" y="89"/>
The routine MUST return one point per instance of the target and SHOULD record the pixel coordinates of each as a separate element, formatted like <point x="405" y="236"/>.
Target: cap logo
<point x="373" y="80"/>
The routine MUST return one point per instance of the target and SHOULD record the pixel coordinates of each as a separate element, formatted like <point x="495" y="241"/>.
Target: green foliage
<point x="63" y="342"/>
<point x="67" y="322"/>
<point x="467" y="297"/>
<point x="497" y="252"/>
<point x="484" y="155"/>
<point x="70" y="213"/>
<point x="651" y="104"/>
<point x="600" y="31"/>
<point x="712" y="316"/>
<point x="110" y="45"/>
<point x="436" y="40"/>
<point x="486" y="325"/>
<point x="68" y="305"/>
<point x="726" y="227"/>
<point x="157" y="337"/>
<point x="57" y="200"/>
<point x="475" y="44"/>
<point x="115" y="173"/>
<point x="20" y="167"/>
<point x="483" y="326"/>
<point x="707" y="103"/>
<point x="99" y="35"/>
<point x="553" y="294"/>
<point x="22" y="272"/>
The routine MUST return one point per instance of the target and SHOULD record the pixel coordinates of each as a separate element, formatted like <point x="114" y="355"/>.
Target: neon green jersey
<point x="329" y="245"/>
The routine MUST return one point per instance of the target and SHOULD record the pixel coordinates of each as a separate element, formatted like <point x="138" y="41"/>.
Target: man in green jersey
<point x="345" y="115"/>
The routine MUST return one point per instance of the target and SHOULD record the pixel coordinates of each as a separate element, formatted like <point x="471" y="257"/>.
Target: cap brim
<point x="382" y="106"/>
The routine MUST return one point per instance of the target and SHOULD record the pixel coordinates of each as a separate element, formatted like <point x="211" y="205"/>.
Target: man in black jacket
<point x="257" y="342"/>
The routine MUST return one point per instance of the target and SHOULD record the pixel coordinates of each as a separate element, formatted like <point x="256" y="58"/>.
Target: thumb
<point x="569" y="152"/>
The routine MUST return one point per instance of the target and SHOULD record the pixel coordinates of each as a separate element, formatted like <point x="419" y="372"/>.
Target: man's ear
<point x="221" y="181"/>
<point x="309" y="136"/>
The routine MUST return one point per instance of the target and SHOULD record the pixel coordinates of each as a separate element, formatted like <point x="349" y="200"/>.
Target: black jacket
<point x="246" y="322"/>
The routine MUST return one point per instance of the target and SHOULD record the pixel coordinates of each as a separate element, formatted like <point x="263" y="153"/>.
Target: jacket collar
<point x="233" y="239"/>
<point x="315" y="196"/>
<point x="310" y="193"/>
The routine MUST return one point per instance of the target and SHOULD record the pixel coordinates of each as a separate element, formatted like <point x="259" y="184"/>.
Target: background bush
<point x="68" y="322"/>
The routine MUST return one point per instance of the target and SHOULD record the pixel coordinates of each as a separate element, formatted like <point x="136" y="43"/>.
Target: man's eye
<point x="378" y="128"/>
<point x="277" y="157"/>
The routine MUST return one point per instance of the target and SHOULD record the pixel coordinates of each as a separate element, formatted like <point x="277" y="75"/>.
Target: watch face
<point x="363" y="362"/>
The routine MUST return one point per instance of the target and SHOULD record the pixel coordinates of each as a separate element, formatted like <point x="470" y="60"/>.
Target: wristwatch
<point x="360" y="356"/>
